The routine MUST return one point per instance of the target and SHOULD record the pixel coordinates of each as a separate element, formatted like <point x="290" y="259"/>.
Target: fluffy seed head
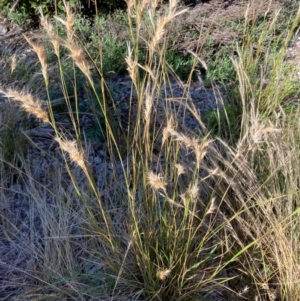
<point x="50" y="32"/>
<point x="69" y="22"/>
<point x="76" y="155"/>
<point x="198" y="147"/>
<point x="156" y="181"/>
<point x="167" y="129"/>
<point x="180" y="169"/>
<point x="130" y="62"/>
<point x="148" y="104"/>
<point x="163" y="274"/>
<point x="28" y="103"/>
<point x="77" y="54"/>
<point x="194" y="190"/>
<point x="41" y="53"/>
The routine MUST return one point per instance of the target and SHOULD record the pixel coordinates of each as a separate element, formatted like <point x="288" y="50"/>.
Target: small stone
<point x="3" y="29"/>
<point x="97" y="160"/>
<point x="102" y="153"/>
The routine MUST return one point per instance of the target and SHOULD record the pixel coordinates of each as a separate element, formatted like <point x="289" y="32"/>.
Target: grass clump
<point x="169" y="213"/>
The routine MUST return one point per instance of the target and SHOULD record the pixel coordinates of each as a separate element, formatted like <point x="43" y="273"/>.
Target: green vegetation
<point x="167" y="213"/>
<point x="23" y="11"/>
<point x="30" y="9"/>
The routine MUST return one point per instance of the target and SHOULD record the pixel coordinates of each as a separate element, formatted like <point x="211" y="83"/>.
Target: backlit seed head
<point x="163" y="274"/>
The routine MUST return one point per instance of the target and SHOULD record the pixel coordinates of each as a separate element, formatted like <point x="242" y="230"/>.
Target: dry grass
<point x="176" y="215"/>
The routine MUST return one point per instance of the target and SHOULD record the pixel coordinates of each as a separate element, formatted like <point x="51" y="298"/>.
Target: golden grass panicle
<point x="159" y="32"/>
<point x="151" y="10"/>
<point x="130" y="62"/>
<point x="48" y="27"/>
<point x="77" y="53"/>
<point x="136" y="9"/>
<point x="194" y="191"/>
<point x="69" y="22"/>
<point x="148" y="105"/>
<point x="163" y="21"/>
<point x="41" y="53"/>
<point x="76" y="154"/>
<point x="156" y="182"/>
<point x="167" y="130"/>
<point x="199" y="147"/>
<point x="163" y="274"/>
<point x="180" y="169"/>
<point x="28" y="103"/>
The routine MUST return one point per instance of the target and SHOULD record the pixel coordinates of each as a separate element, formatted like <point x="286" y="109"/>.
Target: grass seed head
<point x="69" y="22"/>
<point x="156" y="181"/>
<point x="180" y="169"/>
<point x="13" y="63"/>
<point x="71" y="148"/>
<point x="78" y="55"/>
<point x="130" y="62"/>
<point x="48" y="27"/>
<point x="194" y="191"/>
<point x="167" y="129"/>
<point x="28" y="103"/>
<point x="159" y="33"/>
<point x="41" y="53"/>
<point x="163" y="274"/>
<point x="199" y="147"/>
<point x="148" y="107"/>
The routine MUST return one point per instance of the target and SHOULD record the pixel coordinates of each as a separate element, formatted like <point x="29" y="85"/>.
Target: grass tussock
<point x="170" y="213"/>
